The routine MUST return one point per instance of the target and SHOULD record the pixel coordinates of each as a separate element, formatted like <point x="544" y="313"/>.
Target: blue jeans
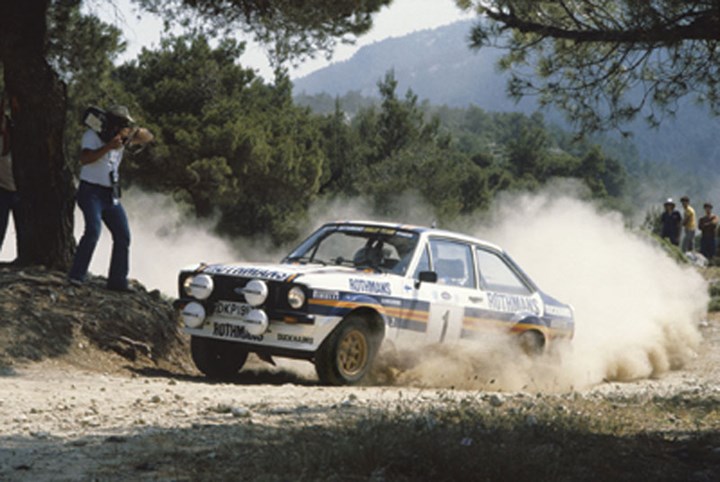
<point x="688" y="242"/>
<point x="9" y="201"/>
<point x="97" y="204"/>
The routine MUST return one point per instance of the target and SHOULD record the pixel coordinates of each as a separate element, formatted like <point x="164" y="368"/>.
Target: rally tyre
<point x="532" y="343"/>
<point x="346" y="355"/>
<point x="217" y="359"/>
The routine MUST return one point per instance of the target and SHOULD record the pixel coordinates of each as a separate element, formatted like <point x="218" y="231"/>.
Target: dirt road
<point x="60" y="422"/>
<point x="70" y="420"/>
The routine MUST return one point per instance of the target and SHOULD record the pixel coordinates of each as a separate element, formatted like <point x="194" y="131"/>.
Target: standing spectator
<point x="98" y="197"/>
<point x="9" y="198"/>
<point x="708" y="231"/>
<point x="689" y="225"/>
<point x="671" y="222"/>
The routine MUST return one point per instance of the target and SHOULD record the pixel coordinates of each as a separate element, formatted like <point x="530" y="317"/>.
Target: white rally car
<point x="351" y="285"/>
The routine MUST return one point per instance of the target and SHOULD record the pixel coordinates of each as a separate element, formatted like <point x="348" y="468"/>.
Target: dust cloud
<point x="636" y="309"/>
<point x="409" y="206"/>
<point x="162" y="242"/>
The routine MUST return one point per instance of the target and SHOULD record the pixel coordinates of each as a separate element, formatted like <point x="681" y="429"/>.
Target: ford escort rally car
<point x="351" y="285"/>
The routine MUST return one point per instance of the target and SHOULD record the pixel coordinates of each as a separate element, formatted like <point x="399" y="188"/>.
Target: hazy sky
<point x="402" y="17"/>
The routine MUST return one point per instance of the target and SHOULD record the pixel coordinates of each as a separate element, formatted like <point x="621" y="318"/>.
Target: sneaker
<point x="75" y="282"/>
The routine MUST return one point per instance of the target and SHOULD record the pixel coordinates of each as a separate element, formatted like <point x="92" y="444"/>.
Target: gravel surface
<point x="123" y="407"/>
<point x="62" y="421"/>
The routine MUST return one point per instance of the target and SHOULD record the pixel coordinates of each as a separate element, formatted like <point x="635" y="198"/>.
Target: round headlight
<point x="256" y="322"/>
<point x="199" y="286"/>
<point x="256" y="292"/>
<point x="296" y="297"/>
<point x="193" y="314"/>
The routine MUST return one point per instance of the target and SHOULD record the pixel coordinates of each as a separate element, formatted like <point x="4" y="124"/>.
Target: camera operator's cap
<point x="669" y="201"/>
<point x="121" y="112"/>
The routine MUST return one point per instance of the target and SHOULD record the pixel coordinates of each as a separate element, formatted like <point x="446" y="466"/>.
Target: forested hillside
<point x="439" y="67"/>
<point x="236" y="149"/>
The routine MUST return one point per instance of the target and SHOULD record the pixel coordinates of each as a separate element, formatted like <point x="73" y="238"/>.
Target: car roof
<point x="423" y="230"/>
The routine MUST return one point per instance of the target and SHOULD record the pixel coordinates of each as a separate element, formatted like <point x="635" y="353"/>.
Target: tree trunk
<point x="39" y="103"/>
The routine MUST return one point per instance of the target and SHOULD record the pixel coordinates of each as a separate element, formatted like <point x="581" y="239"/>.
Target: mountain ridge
<point x="438" y="66"/>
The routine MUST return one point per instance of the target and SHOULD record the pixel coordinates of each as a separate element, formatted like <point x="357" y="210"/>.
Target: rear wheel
<point x="346" y="355"/>
<point x="217" y="359"/>
<point x="532" y="342"/>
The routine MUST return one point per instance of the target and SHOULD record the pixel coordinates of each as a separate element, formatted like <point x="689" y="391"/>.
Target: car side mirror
<point x="426" y="277"/>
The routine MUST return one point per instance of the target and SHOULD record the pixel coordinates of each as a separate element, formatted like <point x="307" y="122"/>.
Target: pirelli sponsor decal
<point x="326" y="295"/>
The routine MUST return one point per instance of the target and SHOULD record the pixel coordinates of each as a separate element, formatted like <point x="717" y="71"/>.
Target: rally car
<point x="353" y="284"/>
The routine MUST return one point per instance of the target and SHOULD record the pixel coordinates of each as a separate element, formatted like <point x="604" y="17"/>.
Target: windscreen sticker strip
<point x="250" y="272"/>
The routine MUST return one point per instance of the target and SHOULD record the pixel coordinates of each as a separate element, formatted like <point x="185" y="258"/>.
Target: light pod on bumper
<point x="256" y="322"/>
<point x="255" y="292"/>
<point x="199" y="286"/>
<point x="193" y="314"/>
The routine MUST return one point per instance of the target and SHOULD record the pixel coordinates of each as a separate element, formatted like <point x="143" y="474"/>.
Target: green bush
<point x="714" y="290"/>
<point x="714" y="304"/>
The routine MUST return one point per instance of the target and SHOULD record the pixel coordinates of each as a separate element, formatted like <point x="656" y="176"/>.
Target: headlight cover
<point x="255" y="292"/>
<point x="199" y="286"/>
<point x="256" y="322"/>
<point x="193" y="314"/>
<point x="296" y="297"/>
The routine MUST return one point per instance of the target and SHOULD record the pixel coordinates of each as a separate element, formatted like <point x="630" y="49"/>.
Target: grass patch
<point x="521" y="438"/>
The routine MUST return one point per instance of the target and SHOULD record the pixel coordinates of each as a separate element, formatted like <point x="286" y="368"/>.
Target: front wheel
<point x="217" y="359"/>
<point x="346" y="355"/>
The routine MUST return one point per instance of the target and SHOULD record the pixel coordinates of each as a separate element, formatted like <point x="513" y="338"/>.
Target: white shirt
<point x="98" y="172"/>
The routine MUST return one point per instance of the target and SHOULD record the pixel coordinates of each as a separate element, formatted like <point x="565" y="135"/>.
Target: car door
<point x="510" y="296"/>
<point x="455" y="288"/>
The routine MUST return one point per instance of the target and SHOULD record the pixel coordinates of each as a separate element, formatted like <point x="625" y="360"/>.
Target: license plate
<point x="231" y="309"/>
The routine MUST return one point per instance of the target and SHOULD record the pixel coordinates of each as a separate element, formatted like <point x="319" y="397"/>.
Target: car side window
<point x="453" y="263"/>
<point x="497" y="275"/>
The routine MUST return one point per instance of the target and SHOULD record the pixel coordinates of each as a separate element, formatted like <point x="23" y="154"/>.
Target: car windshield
<point x="382" y="249"/>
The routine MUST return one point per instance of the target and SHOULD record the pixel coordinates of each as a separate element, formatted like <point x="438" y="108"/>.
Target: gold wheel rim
<point x="352" y="353"/>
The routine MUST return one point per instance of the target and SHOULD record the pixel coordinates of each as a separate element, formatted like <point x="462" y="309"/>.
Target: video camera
<point x="105" y="124"/>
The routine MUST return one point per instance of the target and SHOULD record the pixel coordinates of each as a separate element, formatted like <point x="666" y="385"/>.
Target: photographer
<point x="98" y="196"/>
